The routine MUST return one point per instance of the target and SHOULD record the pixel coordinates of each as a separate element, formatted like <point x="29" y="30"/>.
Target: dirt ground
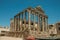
<point x="9" y="38"/>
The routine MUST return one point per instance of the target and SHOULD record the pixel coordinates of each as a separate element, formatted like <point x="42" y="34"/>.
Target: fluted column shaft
<point x="47" y="24"/>
<point x="38" y="23"/>
<point x="29" y="21"/>
<point x="19" y="22"/>
<point x="43" y="23"/>
<point x="24" y="20"/>
<point x="14" y="24"/>
<point x="34" y="22"/>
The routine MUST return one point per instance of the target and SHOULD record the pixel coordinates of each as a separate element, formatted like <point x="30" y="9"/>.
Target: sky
<point x="9" y="8"/>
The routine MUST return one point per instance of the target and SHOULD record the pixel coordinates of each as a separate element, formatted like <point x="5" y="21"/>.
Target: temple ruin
<point x="31" y="21"/>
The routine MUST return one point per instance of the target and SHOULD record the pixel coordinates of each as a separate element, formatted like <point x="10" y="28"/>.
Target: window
<point x="59" y="28"/>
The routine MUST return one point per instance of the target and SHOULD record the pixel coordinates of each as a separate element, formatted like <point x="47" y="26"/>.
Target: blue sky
<point x="9" y="8"/>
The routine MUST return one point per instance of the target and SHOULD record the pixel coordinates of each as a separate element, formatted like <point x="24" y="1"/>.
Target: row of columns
<point x="18" y="22"/>
<point x="41" y="19"/>
<point x="43" y="22"/>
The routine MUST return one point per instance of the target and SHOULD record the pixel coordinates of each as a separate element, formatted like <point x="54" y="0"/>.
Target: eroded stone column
<point x="29" y="21"/>
<point x="38" y="23"/>
<point x="15" y="22"/>
<point x="34" y="22"/>
<point x="19" y="22"/>
<point x="22" y="22"/>
<point x="25" y="20"/>
<point x="43" y="23"/>
<point x="47" y="29"/>
<point x="46" y="23"/>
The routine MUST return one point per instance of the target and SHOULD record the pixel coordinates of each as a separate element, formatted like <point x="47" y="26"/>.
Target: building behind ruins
<point x="3" y="30"/>
<point x="52" y="30"/>
<point x="58" y="28"/>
